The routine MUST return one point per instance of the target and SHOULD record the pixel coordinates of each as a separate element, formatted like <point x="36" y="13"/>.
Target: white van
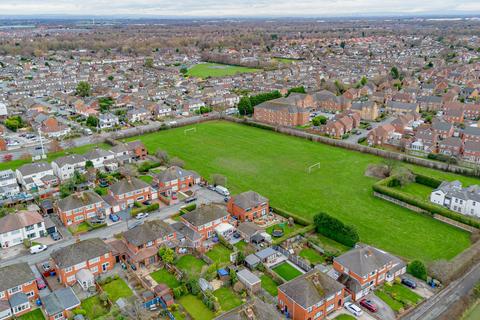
<point x="38" y="248"/>
<point x="222" y="190"/>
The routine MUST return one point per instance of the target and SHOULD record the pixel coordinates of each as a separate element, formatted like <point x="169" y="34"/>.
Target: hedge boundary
<point x="384" y="187"/>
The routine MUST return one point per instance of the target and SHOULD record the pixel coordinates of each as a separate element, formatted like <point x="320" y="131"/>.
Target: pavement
<point x="204" y="196"/>
<point x="436" y="305"/>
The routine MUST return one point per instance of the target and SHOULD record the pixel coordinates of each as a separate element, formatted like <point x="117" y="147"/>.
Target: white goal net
<point x="189" y="130"/>
<point x="313" y="167"/>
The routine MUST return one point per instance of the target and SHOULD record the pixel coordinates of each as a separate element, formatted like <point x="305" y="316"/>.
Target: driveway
<point x="364" y="316"/>
<point x="384" y="311"/>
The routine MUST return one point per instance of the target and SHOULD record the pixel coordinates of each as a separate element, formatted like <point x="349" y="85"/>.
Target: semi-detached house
<point x="65" y="167"/>
<point x="36" y="175"/>
<point x="456" y="198"/>
<point x="16" y="227"/>
<point x="18" y="290"/>
<point x="130" y="190"/>
<point x="79" y="207"/>
<point x="8" y="184"/>
<point x="99" y="156"/>
<point x="92" y="255"/>
<point x="364" y="267"/>
<point x="175" y="179"/>
<point x="248" y="205"/>
<point x="312" y="295"/>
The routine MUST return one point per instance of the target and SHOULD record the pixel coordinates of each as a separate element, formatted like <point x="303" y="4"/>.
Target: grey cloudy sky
<point x="210" y="8"/>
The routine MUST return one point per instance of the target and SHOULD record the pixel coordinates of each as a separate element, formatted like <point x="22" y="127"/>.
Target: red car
<point x="369" y="305"/>
<point x="41" y="284"/>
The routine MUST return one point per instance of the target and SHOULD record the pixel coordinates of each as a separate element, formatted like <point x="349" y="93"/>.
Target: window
<point x="94" y="260"/>
<point x="318" y="315"/>
<point x="2" y="294"/>
<point x="71" y="279"/>
<point x="30" y="294"/>
<point x="309" y="309"/>
<point x="330" y="298"/>
<point x="59" y="316"/>
<point x="330" y="307"/>
<point x="94" y="269"/>
<point x="14" y="289"/>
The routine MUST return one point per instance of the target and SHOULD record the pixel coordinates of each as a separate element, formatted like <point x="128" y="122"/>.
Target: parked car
<point x="141" y="215"/>
<point x="41" y="284"/>
<point x="38" y="248"/>
<point x="369" y="305"/>
<point x="352" y="308"/>
<point x="409" y="283"/>
<point x="147" y="202"/>
<point x="222" y="190"/>
<point x="226" y="199"/>
<point x="211" y="187"/>
<point x="114" y="217"/>
<point x="55" y="236"/>
<point x="190" y="199"/>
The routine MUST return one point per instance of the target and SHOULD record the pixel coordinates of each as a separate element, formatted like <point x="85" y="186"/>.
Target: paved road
<point x="204" y="196"/>
<point x="441" y="302"/>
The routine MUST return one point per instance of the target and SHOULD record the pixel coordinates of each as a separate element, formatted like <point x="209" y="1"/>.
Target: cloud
<point x="220" y="8"/>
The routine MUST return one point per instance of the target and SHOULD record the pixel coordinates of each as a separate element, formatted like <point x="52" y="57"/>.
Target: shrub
<point x="427" y="181"/>
<point x="417" y="269"/>
<point x="298" y="219"/>
<point x="190" y="207"/>
<point x="335" y="229"/>
<point x="79" y="311"/>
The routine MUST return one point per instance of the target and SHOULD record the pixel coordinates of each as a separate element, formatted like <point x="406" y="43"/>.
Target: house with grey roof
<point x="312" y="295"/>
<point x="254" y="309"/>
<point x="60" y="303"/>
<point x="36" y="175"/>
<point x="99" y="156"/>
<point x="17" y="288"/>
<point x="65" y="167"/>
<point x="8" y="184"/>
<point x="248" y="206"/>
<point x="130" y="190"/>
<point x="79" y="207"/>
<point x="398" y="107"/>
<point x="175" y="179"/>
<point x="453" y="196"/>
<point x="92" y="254"/>
<point x="19" y="226"/>
<point x="364" y="268"/>
<point x="143" y="241"/>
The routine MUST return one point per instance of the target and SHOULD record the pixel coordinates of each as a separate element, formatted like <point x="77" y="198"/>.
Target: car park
<point x="369" y="305"/>
<point x="353" y="308"/>
<point x="409" y="283"/>
<point x="38" y="248"/>
<point x="55" y="236"/>
<point x="141" y="215"/>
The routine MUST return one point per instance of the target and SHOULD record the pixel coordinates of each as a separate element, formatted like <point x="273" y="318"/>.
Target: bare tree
<point x="218" y="179"/>
<point x="162" y="156"/>
<point x="177" y="162"/>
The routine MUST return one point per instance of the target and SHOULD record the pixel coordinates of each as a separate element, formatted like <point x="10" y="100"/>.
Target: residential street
<point x="438" y="304"/>
<point x="204" y="196"/>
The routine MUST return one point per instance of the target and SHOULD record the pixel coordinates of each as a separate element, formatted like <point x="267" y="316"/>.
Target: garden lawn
<point x="227" y="298"/>
<point x="416" y="189"/>
<point x="344" y="317"/>
<point x="339" y="187"/>
<point x="312" y="255"/>
<point x="284" y="226"/>
<point x="195" y="307"/>
<point x="163" y="276"/>
<point x="474" y="313"/>
<point x="287" y="271"/>
<point x="79" y="228"/>
<point x="220" y="254"/>
<point x="398" y="296"/>
<point x="147" y="179"/>
<point x="190" y="264"/>
<point x="204" y="70"/>
<point x="117" y="289"/>
<point x="269" y="285"/>
<point x="36" y="314"/>
<point x="327" y="243"/>
<point x="94" y="307"/>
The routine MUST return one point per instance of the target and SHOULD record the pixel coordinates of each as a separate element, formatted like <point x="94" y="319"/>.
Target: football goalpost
<point x="194" y="129"/>
<point x="313" y="167"/>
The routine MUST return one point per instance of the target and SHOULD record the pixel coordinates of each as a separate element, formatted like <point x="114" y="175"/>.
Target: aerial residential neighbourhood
<point x="302" y="160"/>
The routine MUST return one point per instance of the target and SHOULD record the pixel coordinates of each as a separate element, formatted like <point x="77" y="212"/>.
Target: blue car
<point x="114" y="217"/>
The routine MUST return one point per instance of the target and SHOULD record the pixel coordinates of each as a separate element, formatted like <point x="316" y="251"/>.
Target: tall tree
<point x="83" y="89"/>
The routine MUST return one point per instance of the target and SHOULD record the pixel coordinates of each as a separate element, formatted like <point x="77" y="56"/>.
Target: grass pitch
<point x="274" y="165"/>
<point x="204" y="70"/>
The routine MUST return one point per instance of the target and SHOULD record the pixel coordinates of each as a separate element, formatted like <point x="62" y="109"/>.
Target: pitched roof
<point x="19" y="220"/>
<point x="204" y="214"/>
<point x="149" y="231"/>
<point x="75" y="201"/>
<point x="309" y="288"/>
<point x="80" y="252"/>
<point x="173" y="173"/>
<point x="249" y="199"/>
<point x="32" y="168"/>
<point x="14" y="275"/>
<point x="365" y="259"/>
<point x="60" y="300"/>
<point x="128" y="185"/>
<point x="71" y="159"/>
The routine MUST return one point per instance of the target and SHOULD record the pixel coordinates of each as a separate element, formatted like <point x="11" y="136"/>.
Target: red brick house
<point x="18" y="290"/>
<point x="471" y="151"/>
<point x="59" y="304"/>
<point x="328" y="101"/>
<point x="380" y="135"/>
<point x="175" y="179"/>
<point x="143" y="241"/>
<point x="333" y="129"/>
<point x="79" y="207"/>
<point x="442" y="129"/>
<point x="92" y="254"/>
<point x="205" y="219"/>
<point x="451" y="146"/>
<point x="137" y="149"/>
<point x="471" y="134"/>
<point x="248" y="206"/>
<point x="363" y="268"/>
<point x="280" y="112"/>
<point x="313" y="295"/>
<point x="129" y="190"/>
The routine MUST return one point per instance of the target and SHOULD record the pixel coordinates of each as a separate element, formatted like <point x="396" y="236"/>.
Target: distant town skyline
<point x="240" y="8"/>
